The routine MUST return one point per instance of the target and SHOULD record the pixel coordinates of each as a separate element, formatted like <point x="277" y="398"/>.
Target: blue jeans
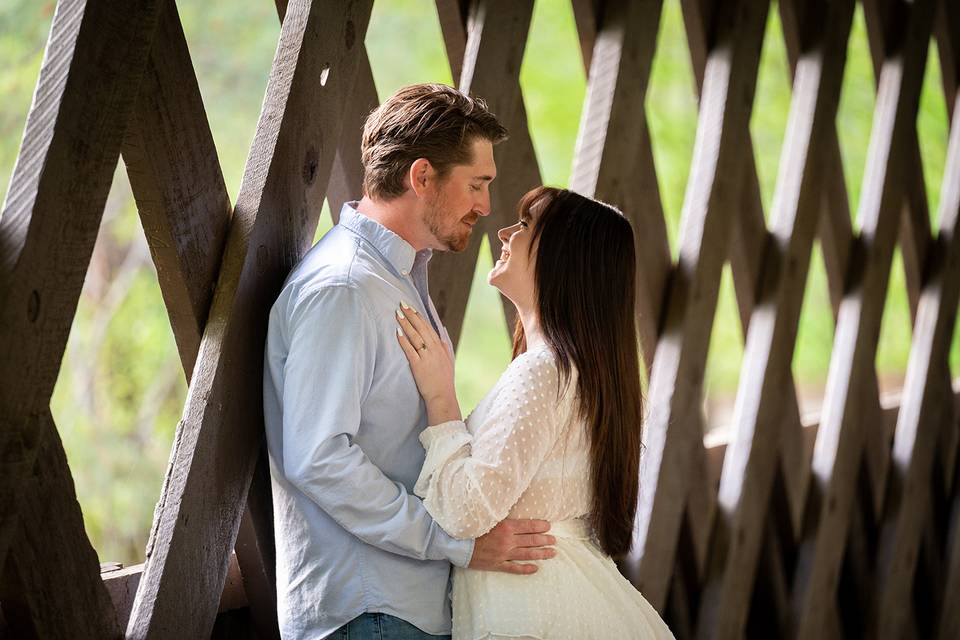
<point x="381" y="626"/>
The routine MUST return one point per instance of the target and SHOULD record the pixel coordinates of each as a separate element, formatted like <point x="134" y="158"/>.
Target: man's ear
<point x="420" y="175"/>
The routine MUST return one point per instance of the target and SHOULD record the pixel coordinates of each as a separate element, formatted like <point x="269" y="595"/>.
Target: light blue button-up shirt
<point x="342" y="416"/>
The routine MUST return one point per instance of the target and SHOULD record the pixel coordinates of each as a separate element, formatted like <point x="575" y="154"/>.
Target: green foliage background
<point x="120" y="390"/>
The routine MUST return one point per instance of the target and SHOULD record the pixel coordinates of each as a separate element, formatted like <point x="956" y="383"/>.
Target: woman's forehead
<point x="536" y="207"/>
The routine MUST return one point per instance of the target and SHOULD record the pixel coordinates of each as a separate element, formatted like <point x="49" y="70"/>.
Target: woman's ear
<point x="420" y="174"/>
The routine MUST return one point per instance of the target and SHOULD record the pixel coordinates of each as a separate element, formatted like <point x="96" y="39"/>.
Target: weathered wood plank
<point x="948" y="623"/>
<point x="50" y="221"/>
<point x="924" y="396"/>
<point x="496" y="34"/>
<point x="709" y="207"/>
<point x="95" y="56"/>
<point x="838" y="243"/>
<point x="947" y="31"/>
<point x="613" y="159"/>
<point x="452" y="15"/>
<point x="620" y="169"/>
<point x="948" y="47"/>
<point x="175" y="176"/>
<point x="750" y="462"/>
<point x="840" y="438"/>
<point x="121" y="583"/>
<point x="51" y="585"/>
<point x="586" y="14"/>
<point x="747" y="252"/>
<point x="185" y="210"/>
<point x="346" y="178"/>
<point x="914" y="235"/>
<point x="219" y="437"/>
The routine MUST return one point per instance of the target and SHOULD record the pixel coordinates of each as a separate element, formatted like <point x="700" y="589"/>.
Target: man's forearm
<point x="378" y="511"/>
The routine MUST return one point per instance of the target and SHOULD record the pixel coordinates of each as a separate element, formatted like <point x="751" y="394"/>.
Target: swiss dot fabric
<point x="523" y="453"/>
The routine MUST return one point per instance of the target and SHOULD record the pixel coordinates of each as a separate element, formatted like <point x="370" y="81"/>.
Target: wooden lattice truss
<point x="842" y="528"/>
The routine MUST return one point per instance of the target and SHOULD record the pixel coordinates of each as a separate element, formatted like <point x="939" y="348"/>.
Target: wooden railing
<point x="845" y="530"/>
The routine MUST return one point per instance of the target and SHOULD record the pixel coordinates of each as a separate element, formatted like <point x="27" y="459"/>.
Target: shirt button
<point x="405" y="272"/>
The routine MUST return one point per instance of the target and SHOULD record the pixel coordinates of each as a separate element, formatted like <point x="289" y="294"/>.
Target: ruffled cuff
<point x="442" y="442"/>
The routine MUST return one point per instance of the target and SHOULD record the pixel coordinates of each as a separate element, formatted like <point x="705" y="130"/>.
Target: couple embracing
<point x="387" y="503"/>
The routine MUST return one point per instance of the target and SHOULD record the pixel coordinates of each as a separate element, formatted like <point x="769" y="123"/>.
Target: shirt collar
<point x="394" y="249"/>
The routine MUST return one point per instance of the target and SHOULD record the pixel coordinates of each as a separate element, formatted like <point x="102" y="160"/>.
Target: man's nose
<point x="484" y="208"/>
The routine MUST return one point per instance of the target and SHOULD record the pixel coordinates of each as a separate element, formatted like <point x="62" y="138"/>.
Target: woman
<point x="557" y="438"/>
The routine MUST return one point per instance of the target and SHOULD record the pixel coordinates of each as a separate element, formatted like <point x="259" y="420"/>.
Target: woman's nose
<point x="504" y="234"/>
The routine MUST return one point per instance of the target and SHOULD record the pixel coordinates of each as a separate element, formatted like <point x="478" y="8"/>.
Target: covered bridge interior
<point x="845" y="525"/>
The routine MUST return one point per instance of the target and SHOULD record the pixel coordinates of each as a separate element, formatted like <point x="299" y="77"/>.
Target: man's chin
<point x="459" y="243"/>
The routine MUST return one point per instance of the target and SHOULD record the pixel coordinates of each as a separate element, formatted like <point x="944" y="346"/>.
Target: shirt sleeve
<point x="469" y="483"/>
<point x="327" y="374"/>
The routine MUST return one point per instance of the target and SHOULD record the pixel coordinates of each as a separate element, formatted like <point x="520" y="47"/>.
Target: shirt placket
<point x="418" y="274"/>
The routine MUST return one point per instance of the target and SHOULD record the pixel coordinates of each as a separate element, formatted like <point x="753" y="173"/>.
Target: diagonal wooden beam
<point x="346" y="178"/>
<point x="947" y="31"/>
<point x="840" y="439"/>
<point x="920" y="419"/>
<point x="948" y="46"/>
<point x="496" y="35"/>
<point x="175" y="175"/>
<point x="620" y="169"/>
<point x="948" y="622"/>
<point x="218" y="439"/>
<point x="750" y="461"/>
<point x="51" y="586"/>
<point x="613" y="159"/>
<point x="838" y="244"/>
<point x="747" y="252"/>
<point x="452" y="15"/>
<point x="676" y="380"/>
<point x="95" y="58"/>
<point x="53" y="209"/>
<point x="914" y="236"/>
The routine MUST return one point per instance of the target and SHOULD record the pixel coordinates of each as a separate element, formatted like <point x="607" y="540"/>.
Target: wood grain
<point x="708" y="211"/>
<point x="840" y="438"/>
<point x="495" y="37"/>
<point x="218" y="439"/>
<point x="750" y="461"/>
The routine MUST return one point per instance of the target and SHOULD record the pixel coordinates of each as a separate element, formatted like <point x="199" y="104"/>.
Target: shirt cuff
<point x="442" y="442"/>
<point x="461" y="552"/>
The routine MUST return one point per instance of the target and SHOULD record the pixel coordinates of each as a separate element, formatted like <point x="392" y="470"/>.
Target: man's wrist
<point x="464" y="560"/>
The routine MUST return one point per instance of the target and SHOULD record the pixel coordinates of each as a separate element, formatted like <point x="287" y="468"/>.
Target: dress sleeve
<point x="468" y="482"/>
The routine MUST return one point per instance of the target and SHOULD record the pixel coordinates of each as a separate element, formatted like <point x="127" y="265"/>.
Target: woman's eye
<point x="523" y="223"/>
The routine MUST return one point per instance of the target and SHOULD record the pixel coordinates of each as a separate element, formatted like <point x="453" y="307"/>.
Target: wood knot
<point x="350" y="35"/>
<point x="310" y="163"/>
<point x="263" y="257"/>
<point x="33" y="306"/>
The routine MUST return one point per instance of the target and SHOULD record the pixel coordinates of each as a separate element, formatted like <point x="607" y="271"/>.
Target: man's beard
<point x="455" y="239"/>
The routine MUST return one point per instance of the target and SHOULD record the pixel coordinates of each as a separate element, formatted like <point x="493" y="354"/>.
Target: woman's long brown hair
<point x="584" y="278"/>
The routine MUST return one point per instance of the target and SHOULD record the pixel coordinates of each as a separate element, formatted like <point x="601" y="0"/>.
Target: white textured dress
<point x="523" y="453"/>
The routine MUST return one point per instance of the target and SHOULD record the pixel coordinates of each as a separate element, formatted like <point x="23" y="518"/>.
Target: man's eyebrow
<point x="486" y="178"/>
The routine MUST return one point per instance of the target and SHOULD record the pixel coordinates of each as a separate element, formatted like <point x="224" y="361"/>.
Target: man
<point x="357" y="552"/>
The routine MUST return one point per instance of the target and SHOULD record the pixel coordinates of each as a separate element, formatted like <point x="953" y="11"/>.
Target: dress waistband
<point x="575" y="528"/>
